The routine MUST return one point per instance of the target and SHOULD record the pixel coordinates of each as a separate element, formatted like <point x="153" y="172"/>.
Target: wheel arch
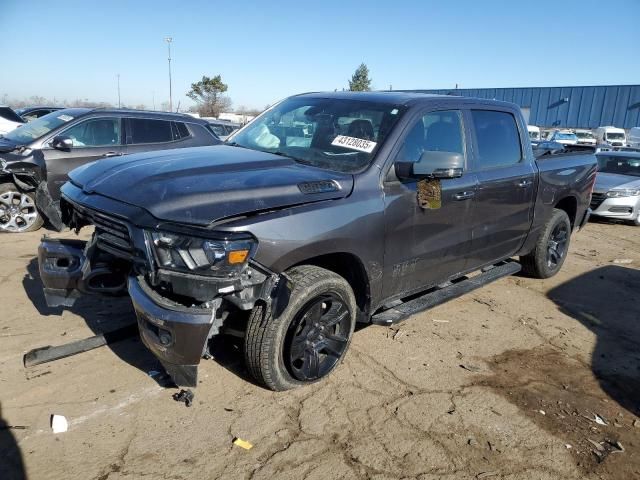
<point x="352" y="269"/>
<point x="569" y="205"/>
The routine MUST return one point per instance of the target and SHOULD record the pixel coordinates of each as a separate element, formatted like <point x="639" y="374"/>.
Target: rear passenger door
<point x="147" y="134"/>
<point x="504" y="202"/>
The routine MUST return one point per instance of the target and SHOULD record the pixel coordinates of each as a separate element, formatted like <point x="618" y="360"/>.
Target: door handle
<point x="112" y="154"/>
<point x="464" y="195"/>
<point x="524" y="183"/>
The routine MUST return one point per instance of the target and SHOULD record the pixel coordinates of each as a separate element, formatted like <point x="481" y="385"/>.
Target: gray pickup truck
<point x="327" y="210"/>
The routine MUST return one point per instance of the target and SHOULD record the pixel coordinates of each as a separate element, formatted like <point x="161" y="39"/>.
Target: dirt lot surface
<point x="523" y="379"/>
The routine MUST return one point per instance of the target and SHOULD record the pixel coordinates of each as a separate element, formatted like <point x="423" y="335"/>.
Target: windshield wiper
<point x="234" y="144"/>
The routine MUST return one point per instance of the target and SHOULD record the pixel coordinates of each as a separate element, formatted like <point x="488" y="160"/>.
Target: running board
<point x="432" y="298"/>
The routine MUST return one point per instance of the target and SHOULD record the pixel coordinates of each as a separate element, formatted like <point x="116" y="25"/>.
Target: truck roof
<point x="404" y="97"/>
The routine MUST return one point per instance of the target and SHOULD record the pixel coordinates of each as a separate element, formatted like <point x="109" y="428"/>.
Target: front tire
<point x="551" y="249"/>
<point x="18" y="211"/>
<point x="309" y="338"/>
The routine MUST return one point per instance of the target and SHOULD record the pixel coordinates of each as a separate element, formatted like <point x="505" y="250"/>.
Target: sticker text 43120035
<point x="354" y="143"/>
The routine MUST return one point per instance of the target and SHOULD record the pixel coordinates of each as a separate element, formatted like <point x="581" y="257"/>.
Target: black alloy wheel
<point x="557" y="245"/>
<point x="317" y="338"/>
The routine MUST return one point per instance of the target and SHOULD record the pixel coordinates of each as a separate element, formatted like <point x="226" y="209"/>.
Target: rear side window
<point x="180" y="131"/>
<point x="144" y="130"/>
<point x="498" y="138"/>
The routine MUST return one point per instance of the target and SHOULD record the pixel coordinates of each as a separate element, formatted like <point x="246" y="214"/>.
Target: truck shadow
<point x="606" y="301"/>
<point x="101" y="314"/>
<point x="11" y="464"/>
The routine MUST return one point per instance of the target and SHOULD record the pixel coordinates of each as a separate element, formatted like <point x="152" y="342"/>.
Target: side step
<point x="432" y="298"/>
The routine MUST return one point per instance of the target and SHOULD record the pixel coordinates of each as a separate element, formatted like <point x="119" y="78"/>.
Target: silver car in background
<point x="616" y="193"/>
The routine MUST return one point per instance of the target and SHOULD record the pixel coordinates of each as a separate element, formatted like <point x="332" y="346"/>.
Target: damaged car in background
<point x="36" y="157"/>
<point x="326" y="210"/>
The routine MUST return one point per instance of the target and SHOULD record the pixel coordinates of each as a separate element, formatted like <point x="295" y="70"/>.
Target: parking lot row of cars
<point x="608" y="136"/>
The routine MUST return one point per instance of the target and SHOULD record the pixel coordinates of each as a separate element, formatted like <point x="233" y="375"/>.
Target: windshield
<point x="565" y="136"/>
<point x="333" y="133"/>
<point x="584" y="135"/>
<point x="620" y="165"/>
<point x="37" y="128"/>
<point x="615" y="136"/>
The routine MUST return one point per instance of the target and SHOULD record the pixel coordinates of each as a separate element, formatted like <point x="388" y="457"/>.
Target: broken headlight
<point x="224" y="256"/>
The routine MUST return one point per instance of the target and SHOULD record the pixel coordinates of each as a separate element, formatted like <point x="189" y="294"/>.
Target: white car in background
<point x="586" y="137"/>
<point x="613" y="136"/>
<point x="633" y="139"/>
<point x="565" y="137"/>
<point x="616" y="193"/>
<point x="534" y="133"/>
<point x="9" y="119"/>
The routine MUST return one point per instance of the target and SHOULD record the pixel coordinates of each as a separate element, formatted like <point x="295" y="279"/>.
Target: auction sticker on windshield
<point x="65" y="118"/>
<point x="354" y="143"/>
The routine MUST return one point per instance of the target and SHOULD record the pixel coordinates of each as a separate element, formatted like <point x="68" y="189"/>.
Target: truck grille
<point x="597" y="199"/>
<point x="112" y="234"/>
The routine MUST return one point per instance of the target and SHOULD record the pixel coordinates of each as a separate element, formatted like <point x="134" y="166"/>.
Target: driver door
<point x="93" y="139"/>
<point x="426" y="246"/>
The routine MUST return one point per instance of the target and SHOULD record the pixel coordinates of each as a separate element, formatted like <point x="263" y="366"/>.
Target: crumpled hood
<point x="607" y="181"/>
<point x="205" y="184"/>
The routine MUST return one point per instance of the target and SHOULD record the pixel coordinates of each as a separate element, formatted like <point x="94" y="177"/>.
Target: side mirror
<point x="62" y="143"/>
<point x="433" y="164"/>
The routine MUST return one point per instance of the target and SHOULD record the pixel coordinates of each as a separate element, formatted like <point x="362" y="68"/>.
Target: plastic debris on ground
<point x="185" y="396"/>
<point x="242" y="443"/>
<point x="59" y="424"/>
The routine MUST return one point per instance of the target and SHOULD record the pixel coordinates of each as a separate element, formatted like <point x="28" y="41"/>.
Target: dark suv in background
<point x="31" y="113"/>
<point x="36" y="158"/>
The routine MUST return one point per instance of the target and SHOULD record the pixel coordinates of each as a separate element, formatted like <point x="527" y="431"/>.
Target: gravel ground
<point x="523" y="379"/>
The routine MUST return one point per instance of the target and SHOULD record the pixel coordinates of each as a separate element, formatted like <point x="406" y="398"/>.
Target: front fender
<point x="30" y="181"/>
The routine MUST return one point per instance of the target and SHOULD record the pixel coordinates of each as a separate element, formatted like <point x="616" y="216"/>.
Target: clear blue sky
<point x="268" y="50"/>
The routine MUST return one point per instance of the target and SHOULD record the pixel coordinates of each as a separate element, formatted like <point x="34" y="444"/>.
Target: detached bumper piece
<point x="60" y="263"/>
<point x="70" y="268"/>
<point x="175" y="334"/>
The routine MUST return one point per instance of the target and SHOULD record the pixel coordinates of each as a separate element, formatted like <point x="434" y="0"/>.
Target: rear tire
<point x="550" y="251"/>
<point x="18" y="210"/>
<point x="309" y="338"/>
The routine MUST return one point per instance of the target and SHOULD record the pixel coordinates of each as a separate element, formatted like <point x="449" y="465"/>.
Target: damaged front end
<point x="184" y="285"/>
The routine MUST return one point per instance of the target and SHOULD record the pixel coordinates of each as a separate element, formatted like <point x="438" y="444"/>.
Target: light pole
<point x="118" y="75"/>
<point x="169" y="40"/>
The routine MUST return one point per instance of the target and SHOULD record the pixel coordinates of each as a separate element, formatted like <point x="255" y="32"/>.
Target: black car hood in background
<point x="206" y="184"/>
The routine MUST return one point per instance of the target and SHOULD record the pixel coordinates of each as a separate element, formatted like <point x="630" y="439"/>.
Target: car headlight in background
<point x="204" y="256"/>
<point x="623" y="192"/>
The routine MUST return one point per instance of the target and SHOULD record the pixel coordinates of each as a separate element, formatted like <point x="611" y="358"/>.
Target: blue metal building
<point x="571" y="107"/>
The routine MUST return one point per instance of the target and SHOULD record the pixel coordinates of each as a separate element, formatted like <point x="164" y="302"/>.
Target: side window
<point x="181" y="131"/>
<point x="144" y="130"/>
<point x="498" y="138"/>
<point x="219" y="130"/>
<point x="437" y="131"/>
<point x="99" y="132"/>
